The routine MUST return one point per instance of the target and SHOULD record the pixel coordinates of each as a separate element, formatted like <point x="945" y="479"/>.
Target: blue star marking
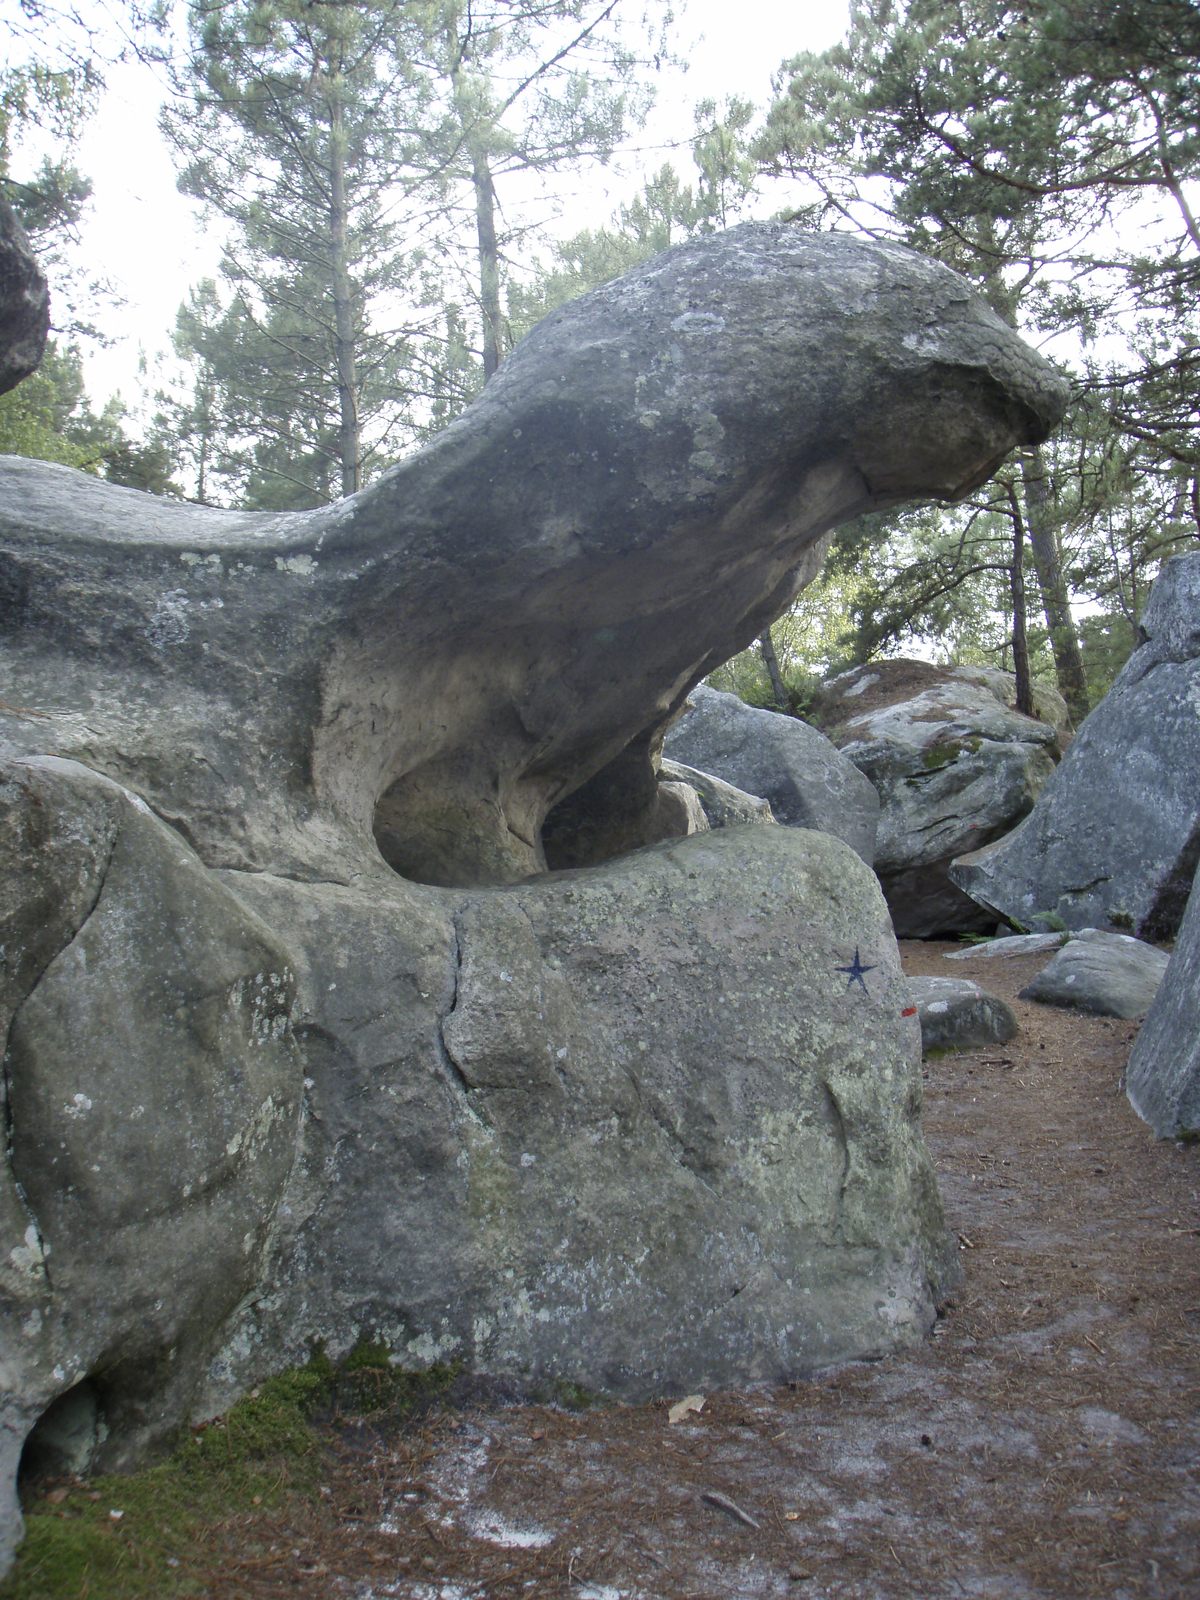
<point x="856" y="972"/>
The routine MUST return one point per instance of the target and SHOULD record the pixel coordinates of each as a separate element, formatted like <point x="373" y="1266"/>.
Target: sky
<point x="148" y="239"/>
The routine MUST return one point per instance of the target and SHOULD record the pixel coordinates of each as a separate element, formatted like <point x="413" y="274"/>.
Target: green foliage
<point x="261" y="1452"/>
<point x="941" y="755"/>
<point x="666" y="212"/>
<point x="48" y="418"/>
<point x="515" y="87"/>
<point x="28" y="424"/>
<point x="1042" y="148"/>
<point x="569" y="1395"/>
<point x="293" y="122"/>
<point x="812" y="641"/>
<point x="367" y="1382"/>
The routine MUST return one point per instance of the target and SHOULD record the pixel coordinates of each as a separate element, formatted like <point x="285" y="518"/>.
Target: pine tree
<point x="666" y="212"/>
<point x="298" y="132"/>
<point x="1012" y="140"/>
<point x="525" y="88"/>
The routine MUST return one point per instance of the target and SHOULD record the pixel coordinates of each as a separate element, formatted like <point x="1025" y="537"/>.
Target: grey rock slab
<point x="1114" y="838"/>
<point x="956" y="1014"/>
<point x="637" y="1126"/>
<point x="152" y="1093"/>
<point x="1163" y="1076"/>
<point x="1018" y="944"/>
<point x="1109" y="974"/>
<point x="954" y="765"/>
<point x="24" y="303"/>
<point x="646" y="482"/>
<point x="793" y="767"/>
<point x="724" y="805"/>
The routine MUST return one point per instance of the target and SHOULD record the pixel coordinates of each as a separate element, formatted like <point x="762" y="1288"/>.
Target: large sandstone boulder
<point x="954" y="766"/>
<point x="24" y="303"/>
<point x="644" y="1124"/>
<point x="1114" y="839"/>
<point x="634" y="1126"/>
<point x="1163" y="1076"/>
<point x="153" y="1091"/>
<point x="792" y="766"/>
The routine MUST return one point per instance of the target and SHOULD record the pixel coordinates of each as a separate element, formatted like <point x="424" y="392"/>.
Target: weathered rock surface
<point x="24" y="303"/>
<point x="953" y="765"/>
<point x="1017" y="944"/>
<point x="1109" y="974"/>
<point x="152" y="1092"/>
<point x="724" y="805"/>
<point x="956" y="1014"/>
<point x="1163" y="1076"/>
<point x="645" y="1124"/>
<point x="1048" y="705"/>
<point x="645" y="483"/>
<point x="634" y="1123"/>
<point x="795" y="768"/>
<point x="1114" y="839"/>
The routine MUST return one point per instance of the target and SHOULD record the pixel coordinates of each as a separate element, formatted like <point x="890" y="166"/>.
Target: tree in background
<point x="49" y="87"/>
<point x="526" y="89"/>
<point x="292" y="133"/>
<point x="355" y="149"/>
<point x="48" y="417"/>
<point x="296" y="129"/>
<point x="666" y="212"/>
<point x="1011" y="140"/>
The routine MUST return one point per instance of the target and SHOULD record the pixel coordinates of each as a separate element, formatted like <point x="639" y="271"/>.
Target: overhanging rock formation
<point x="639" y="491"/>
<point x="647" y="1124"/>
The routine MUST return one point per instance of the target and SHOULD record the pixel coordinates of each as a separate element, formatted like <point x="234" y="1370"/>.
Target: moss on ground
<point x="154" y="1532"/>
<point x="569" y="1395"/>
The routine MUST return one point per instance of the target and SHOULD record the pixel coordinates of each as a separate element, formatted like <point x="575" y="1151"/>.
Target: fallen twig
<point x="725" y="1504"/>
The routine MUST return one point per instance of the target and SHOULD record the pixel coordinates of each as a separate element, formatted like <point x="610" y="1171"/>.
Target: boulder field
<point x="303" y="1040"/>
<point x="954" y="764"/>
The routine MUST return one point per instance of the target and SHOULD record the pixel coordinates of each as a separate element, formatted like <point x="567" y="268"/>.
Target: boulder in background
<point x="793" y="767"/>
<point x="953" y="766"/>
<point x="957" y="1014"/>
<point x="724" y="805"/>
<point x="1114" y="839"/>
<point x="1109" y="974"/>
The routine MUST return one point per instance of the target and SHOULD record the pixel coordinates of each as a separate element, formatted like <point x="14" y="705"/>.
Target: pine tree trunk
<point x="1064" y="641"/>
<point x="489" y="260"/>
<point x="343" y="311"/>
<point x="771" y="662"/>
<point x="1020" y="638"/>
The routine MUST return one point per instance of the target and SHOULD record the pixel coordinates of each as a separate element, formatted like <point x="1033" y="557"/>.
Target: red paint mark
<point x="910" y="1012"/>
